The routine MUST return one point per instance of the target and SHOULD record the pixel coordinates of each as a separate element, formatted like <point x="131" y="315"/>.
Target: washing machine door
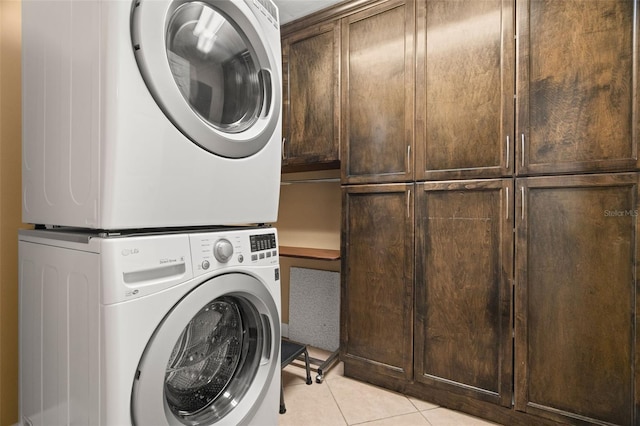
<point x="212" y="358"/>
<point x="213" y="67"/>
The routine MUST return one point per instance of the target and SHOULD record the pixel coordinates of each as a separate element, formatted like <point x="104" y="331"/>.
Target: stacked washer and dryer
<point x="150" y="288"/>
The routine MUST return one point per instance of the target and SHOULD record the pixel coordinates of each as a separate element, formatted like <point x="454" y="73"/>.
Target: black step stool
<point x="289" y="351"/>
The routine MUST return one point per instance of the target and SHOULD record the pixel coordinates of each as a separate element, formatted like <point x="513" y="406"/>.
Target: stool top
<point x="290" y="351"/>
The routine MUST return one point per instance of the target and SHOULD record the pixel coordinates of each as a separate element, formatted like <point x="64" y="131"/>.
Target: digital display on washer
<point x="263" y="242"/>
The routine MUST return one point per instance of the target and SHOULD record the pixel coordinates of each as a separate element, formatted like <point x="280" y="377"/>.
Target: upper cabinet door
<point x="312" y="104"/>
<point x="577" y="86"/>
<point x="465" y="87"/>
<point x="378" y="93"/>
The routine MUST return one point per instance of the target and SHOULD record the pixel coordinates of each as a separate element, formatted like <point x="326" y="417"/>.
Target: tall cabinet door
<point x="378" y="93"/>
<point x="377" y="280"/>
<point x="465" y="87"/>
<point x="577" y="86"/>
<point x="464" y="261"/>
<point x="576" y="334"/>
<point x="312" y="105"/>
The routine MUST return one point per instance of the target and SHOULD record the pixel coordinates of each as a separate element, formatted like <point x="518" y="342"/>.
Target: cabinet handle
<point x="408" y="203"/>
<point x="408" y="158"/>
<point x="523" y="200"/>
<point x="284" y="142"/>
<point x="507" y="154"/>
<point x="522" y="142"/>
<point x="507" y="204"/>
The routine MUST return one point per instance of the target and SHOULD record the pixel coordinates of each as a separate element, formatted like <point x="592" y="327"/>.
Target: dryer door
<point x="212" y="358"/>
<point x="213" y="67"/>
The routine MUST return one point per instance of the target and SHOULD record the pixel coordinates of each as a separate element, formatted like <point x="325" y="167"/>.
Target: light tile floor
<point x="342" y="401"/>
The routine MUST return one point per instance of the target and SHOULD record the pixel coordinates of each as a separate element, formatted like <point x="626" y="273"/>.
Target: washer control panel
<point x="263" y="246"/>
<point x="244" y="247"/>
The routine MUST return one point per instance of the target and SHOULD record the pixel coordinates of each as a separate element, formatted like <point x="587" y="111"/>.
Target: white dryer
<point x="150" y="113"/>
<point x="153" y="329"/>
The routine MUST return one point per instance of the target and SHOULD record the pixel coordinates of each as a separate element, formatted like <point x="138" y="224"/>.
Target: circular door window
<point x="213" y="357"/>
<point x="215" y="67"/>
<point x="214" y="361"/>
<point x="212" y="70"/>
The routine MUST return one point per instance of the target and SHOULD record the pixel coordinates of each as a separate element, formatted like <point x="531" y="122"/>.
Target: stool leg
<point x="306" y="363"/>
<point x="283" y="409"/>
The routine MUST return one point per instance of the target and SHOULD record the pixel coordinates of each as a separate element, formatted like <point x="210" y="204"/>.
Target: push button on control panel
<point x="205" y="264"/>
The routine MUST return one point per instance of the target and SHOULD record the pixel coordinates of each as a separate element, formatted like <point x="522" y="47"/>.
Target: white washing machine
<point x="150" y="113"/>
<point x="150" y="329"/>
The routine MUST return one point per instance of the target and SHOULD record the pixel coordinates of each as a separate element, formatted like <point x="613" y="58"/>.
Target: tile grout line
<point x="329" y="379"/>
<point x="425" y="418"/>
<point x="326" y="382"/>
<point x="417" y="410"/>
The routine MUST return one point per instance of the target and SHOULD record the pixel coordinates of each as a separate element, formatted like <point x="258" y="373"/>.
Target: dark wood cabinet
<point x="311" y="119"/>
<point x="577" y="86"/>
<point x="501" y="292"/>
<point x="378" y="94"/>
<point x="464" y="87"/>
<point x="464" y="261"/>
<point x="576" y="305"/>
<point x="377" y="280"/>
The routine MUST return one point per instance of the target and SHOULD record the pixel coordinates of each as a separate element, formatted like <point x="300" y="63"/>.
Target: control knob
<point x="223" y="250"/>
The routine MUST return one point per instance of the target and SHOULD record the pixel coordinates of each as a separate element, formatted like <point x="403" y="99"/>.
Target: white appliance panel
<point x="98" y="151"/>
<point x="83" y="334"/>
<point x="60" y="352"/>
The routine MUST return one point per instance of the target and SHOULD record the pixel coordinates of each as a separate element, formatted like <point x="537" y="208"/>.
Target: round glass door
<point x="213" y="357"/>
<point x="214" y="361"/>
<point x="214" y="67"/>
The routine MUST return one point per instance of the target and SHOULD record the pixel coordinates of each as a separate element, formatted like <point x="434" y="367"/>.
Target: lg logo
<point x="127" y="252"/>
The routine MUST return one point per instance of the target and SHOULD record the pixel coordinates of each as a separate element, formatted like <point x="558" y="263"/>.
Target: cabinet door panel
<point x="578" y="100"/>
<point x="313" y="101"/>
<point x="464" y="259"/>
<point x="377" y="291"/>
<point x="378" y="93"/>
<point x="576" y="290"/>
<point x="465" y="86"/>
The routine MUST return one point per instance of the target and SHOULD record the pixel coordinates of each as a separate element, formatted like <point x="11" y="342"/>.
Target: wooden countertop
<point x="309" y="253"/>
